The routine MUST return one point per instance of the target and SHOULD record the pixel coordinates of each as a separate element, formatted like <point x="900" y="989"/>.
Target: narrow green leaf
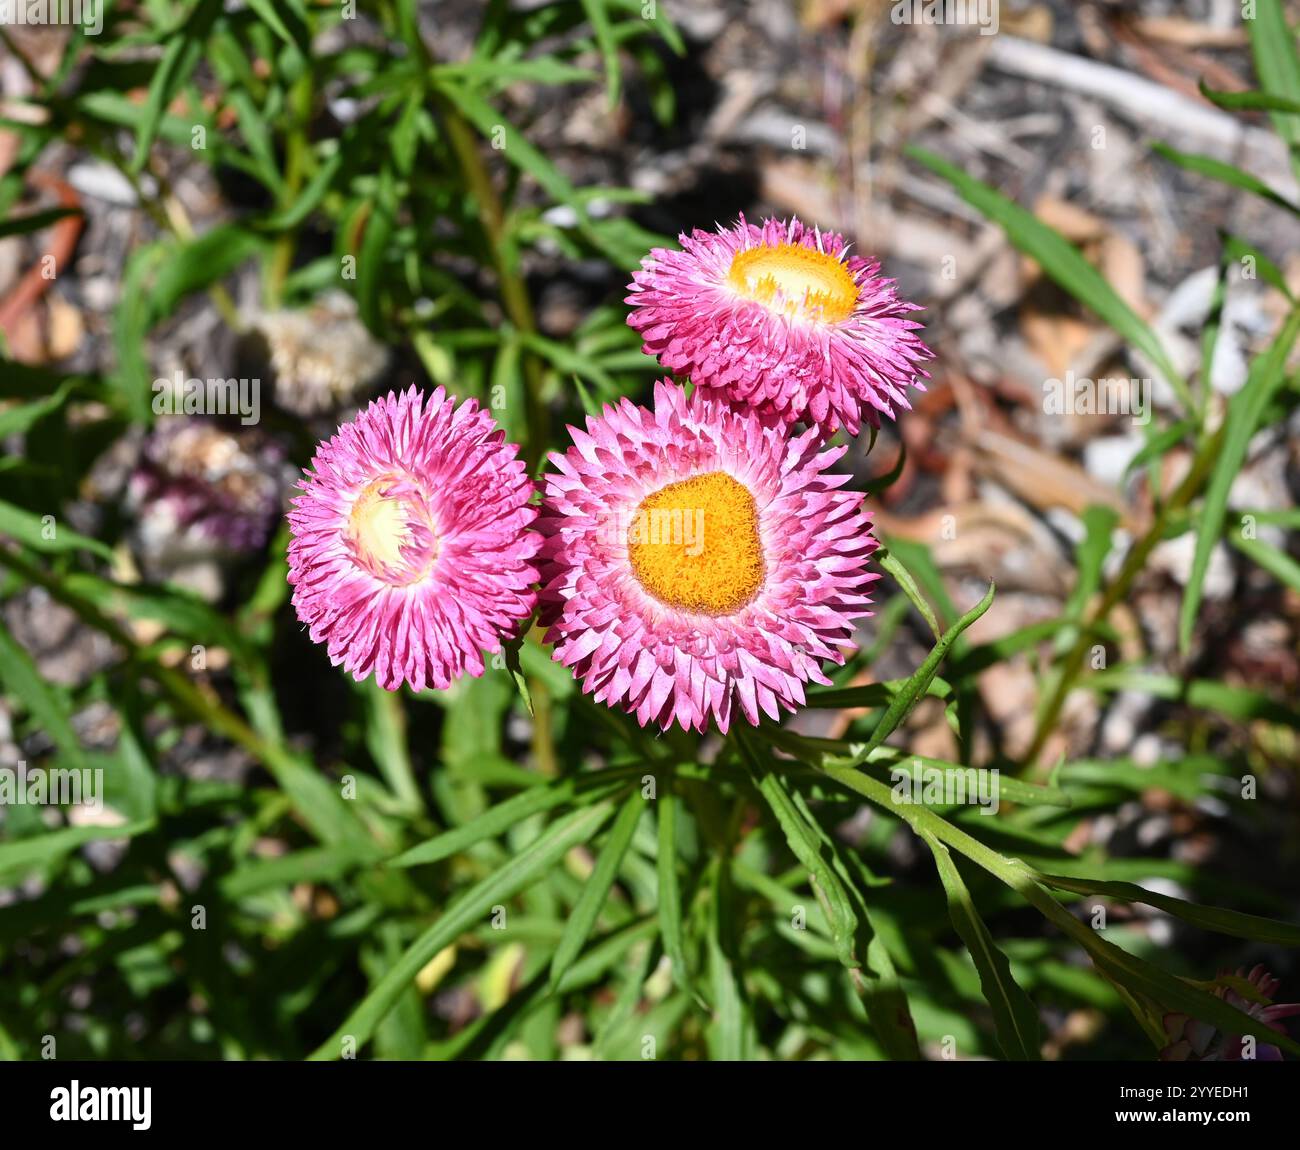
<point x="1159" y="443"/>
<point x="34" y="221"/>
<point x="41" y="850"/>
<point x="1225" y="174"/>
<point x="587" y="909"/>
<point x="916" y="686"/>
<point x="670" y="895"/>
<point x="20" y="418"/>
<point x="1252" y="926"/>
<point x="519" y="872"/>
<point x="843" y="906"/>
<point x="600" y="25"/>
<point x="1254" y="101"/>
<point x="1276" y="64"/>
<point x="1061" y="261"/>
<point x="1244" y="413"/>
<point x="1126" y="970"/>
<point x="19" y="674"/>
<point x="1240" y="703"/>
<point x="387" y="744"/>
<point x="1235" y="248"/>
<point x="1014" y="1016"/>
<point x="1276" y="562"/>
<point x="45" y="533"/>
<point x="290" y="24"/>
<point x="890" y="562"/>
<point x="183" y="52"/>
<point x="504" y="815"/>
<point x="731" y="1029"/>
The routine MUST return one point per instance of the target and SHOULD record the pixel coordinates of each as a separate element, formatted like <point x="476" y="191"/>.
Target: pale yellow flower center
<point x="793" y="280"/>
<point x="695" y="545"/>
<point x="390" y="531"/>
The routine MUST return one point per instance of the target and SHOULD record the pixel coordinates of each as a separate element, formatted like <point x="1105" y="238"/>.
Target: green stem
<point x="296" y="156"/>
<point x="188" y="697"/>
<point x="514" y="292"/>
<point x="1117" y="592"/>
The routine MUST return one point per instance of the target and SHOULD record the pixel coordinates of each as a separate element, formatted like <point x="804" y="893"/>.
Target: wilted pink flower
<point x="1191" y="1040"/>
<point x="199" y="491"/>
<point x="780" y="318"/>
<point x="411" y="552"/>
<point x="696" y="558"/>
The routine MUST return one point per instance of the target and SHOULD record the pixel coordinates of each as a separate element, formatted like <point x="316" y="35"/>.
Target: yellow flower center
<point x="793" y="280"/>
<point x="695" y="545"/>
<point x="390" y="531"/>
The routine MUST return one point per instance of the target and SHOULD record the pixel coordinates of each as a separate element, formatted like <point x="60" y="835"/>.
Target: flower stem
<point x="515" y="300"/>
<point x="1187" y="490"/>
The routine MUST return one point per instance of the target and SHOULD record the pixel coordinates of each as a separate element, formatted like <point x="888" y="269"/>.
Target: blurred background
<point x="332" y="205"/>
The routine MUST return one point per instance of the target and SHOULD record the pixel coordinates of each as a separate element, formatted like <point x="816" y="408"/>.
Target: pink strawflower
<point x="1191" y="1040"/>
<point x="696" y="558"/>
<point x="781" y="319"/>
<point x="411" y="550"/>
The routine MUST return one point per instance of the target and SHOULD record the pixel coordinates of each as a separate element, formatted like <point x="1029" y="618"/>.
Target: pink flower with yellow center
<point x="412" y="551"/>
<point x="697" y="558"/>
<point x="781" y="319"/>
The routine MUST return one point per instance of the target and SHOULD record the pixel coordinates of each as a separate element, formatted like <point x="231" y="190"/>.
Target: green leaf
<point x="1254" y="101"/>
<point x="1125" y="970"/>
<point x="843" y="907"/>
<point x="387" y="744"/>
<point x="1278" y="68"/>
<point x="291" y="26"/>
<point x="670" y="895"/>
<point x="1276" y="562"/>
<point x="888" y="561"/>
<point x="731" y="1029"/>
<point x="1062" y="263"/>
<point x="1225" y="174"/>
<point x="32" y="531"/>
<point x="871" y="694"/>
<point x="41" y="850"/>
<point x="20" y="676"/>
<point x="595" y="10"/>
<point x="1197" y="694"/>
<point x="1244" y="413"/>
<point x="307" y="201"/>
<point x="1089" y="556"/>
<point x="499" y="73"/>
<point x="1159" y="443"/>
<point x="504" y="815"/>
<point x="200" y="263"/>
<point x="1231" y="922"/>
<point x="587" y="909"/>
<point x="1014" y="1016"/>
<point x="921" y="565"/>
<point x="916" y="686"/>
<point x="511" y="653"/>
<point x="183" y="52"/>
<point x="184" y="614"/>
<point x="1235" y="248"/>
<point x="20" y="418"/>
<point x="519" y="872"/>
<point x="34" y="221"/>
<point x="808" y="843"/>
